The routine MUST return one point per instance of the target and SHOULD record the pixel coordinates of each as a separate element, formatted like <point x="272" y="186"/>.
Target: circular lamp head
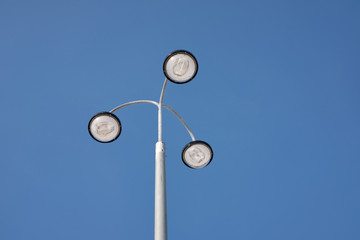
<point x="197" y="154"/>
<point x="104" y="127"/>
<point x="180" y="66"/>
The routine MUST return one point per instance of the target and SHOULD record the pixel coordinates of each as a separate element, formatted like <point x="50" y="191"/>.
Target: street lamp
<point x="179" y="67"/>
<point x="197" y="154"/>
<point x="105" y="127"/>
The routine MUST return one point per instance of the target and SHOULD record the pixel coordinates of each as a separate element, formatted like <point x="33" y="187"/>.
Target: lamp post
<point x="179" y="67"/>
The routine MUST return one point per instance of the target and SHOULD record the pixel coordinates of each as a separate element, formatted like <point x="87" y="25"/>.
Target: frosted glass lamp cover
<point x="180" y="66"/>
<point x="197" y="154"/>
<point x="104" y="127"/>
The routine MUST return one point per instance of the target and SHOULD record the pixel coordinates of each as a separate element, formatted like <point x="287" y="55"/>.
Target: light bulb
<point x="197" y="154"/>
<point x="180" y="66"/>
<point x="104" y="127"/>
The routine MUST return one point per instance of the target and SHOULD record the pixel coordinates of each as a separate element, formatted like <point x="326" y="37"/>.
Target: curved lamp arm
<point x="160" y="110"/>
<point x="134" y="102"/>
<point x="183" y="122"/>
<point x="158" y="105"/>
<point x="163" y="91"/>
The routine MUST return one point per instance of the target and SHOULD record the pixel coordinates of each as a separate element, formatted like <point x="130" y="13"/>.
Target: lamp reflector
<point x="197" y="154"/>
<point x="104" y="127"/>
<point x="180" y="66"/>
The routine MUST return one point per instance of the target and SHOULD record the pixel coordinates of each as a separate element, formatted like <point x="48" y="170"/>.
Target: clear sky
<point x="277" y="96"/>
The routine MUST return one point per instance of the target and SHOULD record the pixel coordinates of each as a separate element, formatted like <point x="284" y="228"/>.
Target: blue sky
<point x="276" y="96"/>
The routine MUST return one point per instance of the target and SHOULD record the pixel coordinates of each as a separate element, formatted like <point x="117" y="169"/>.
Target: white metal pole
<point x="160" y="193"/>
<point x="160" y="230"/>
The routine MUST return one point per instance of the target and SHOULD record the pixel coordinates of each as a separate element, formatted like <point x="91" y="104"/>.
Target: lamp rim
<point x="191" y="144"/>
<point x="178" y="52"/>
<point x="104" y="114"/>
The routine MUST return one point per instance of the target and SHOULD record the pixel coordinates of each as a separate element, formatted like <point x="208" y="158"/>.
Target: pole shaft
<point x="160" y="193"/>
